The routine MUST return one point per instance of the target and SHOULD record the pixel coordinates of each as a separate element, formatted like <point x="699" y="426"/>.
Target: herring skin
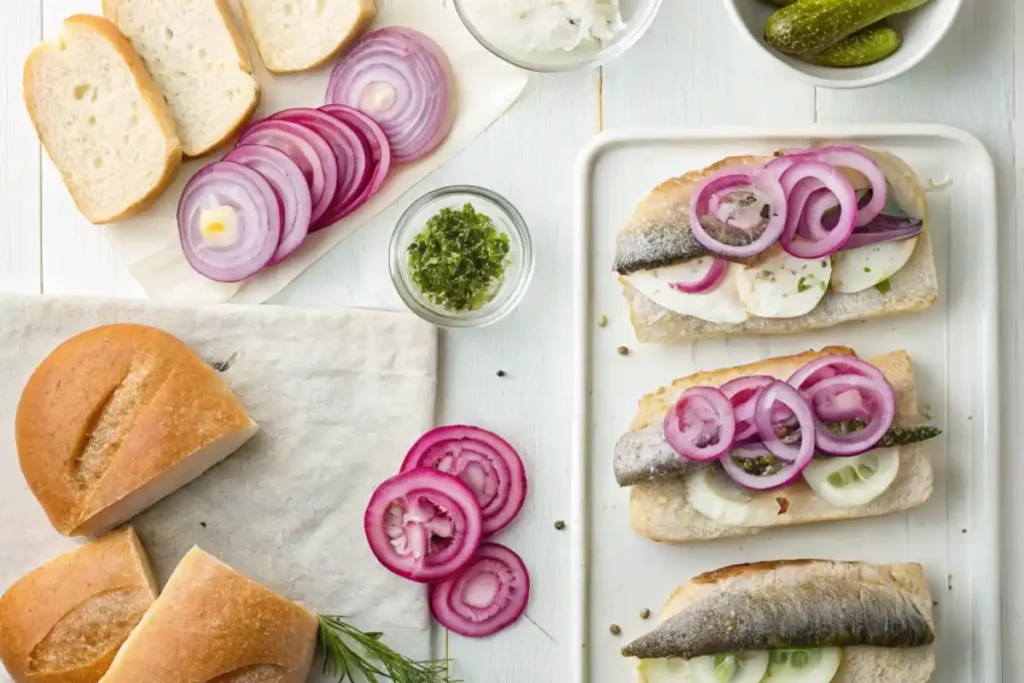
<point x="789" y="604"/>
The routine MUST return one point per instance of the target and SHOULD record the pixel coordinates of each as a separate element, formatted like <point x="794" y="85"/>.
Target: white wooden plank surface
<point x="690" y="69"/>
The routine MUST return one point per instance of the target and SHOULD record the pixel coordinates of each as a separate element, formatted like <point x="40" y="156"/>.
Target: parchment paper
<point x="148" y="244"/>
<point x="339" y="397"/>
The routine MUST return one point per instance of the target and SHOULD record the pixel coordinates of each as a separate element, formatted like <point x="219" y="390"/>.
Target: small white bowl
<point x="922" y="29"/>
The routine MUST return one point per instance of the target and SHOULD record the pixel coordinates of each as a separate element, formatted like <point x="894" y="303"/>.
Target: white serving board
<point x="953" y="347"/>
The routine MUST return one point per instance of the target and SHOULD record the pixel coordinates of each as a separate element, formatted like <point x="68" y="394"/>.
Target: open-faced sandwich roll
<point x="777" y="245"/>
<point x="814" y="437"/>
<point x="795" y="621"/>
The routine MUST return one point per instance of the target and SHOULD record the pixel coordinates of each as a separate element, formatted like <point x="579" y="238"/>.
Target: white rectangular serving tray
<point x="953" y="347"/>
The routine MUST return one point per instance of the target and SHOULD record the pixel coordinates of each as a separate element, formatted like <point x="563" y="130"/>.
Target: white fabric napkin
<point x="148" y="244"/>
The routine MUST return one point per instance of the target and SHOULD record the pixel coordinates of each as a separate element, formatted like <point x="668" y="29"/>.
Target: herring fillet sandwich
<point x="757" y="245"/>
<point x="793" y="620"/>
<point x="812" y="437"/>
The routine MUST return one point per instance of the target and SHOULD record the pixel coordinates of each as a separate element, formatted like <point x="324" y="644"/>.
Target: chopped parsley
<point x="459" y="259"/>
<point x="883" y="286"/>
<point x="867" y="269"/>
<point x="804" y="283"/>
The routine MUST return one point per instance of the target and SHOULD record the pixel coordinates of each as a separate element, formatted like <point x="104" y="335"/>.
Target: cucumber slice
<point x="732" y="667"/>
<point x="713" y="494"/>
<point x="858" y="480"/>
<point x="803" y="666"/>
<point x="669" y="670"/>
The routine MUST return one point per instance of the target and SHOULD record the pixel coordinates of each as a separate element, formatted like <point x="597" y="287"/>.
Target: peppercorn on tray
<point x="952" y="347"/>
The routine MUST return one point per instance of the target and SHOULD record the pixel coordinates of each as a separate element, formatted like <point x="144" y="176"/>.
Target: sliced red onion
<point x="742" y="393"/>
<point x="402" y="79"/>
<point x="842" y="406"/>
<point x="706" y="282"/>
<point x="483" y="461"/>
<point x="285" y="176"/>
<point x="795" y="457"/>
<point x="700" y="426"/>
<point x="423" y="525"/>
<point x="849" y="157"/>
<point x="350" y="149"/>
<point x="488" y="596"/>
<point x="380" y="150"/>
<point x="838" y="185"/>
<point x="878" y="396"/>
<point x="830" y="366"/>
<point x="250" y="241"/>
<point x="800" y="198"/>
<point x="884" y="229"/>
<point x="307" y="149"/>
<point x="766" y="184"/>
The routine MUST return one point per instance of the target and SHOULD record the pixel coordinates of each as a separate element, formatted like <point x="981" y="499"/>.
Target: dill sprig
<point x="372" y="659"/>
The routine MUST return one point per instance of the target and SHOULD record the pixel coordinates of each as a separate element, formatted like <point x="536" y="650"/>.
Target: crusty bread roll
<point x="659" y="509"/>
<point x="818" y="596"/>
<point x="198" y="58"/>
<point x="213" y="625"/>
<point x="63" y="622"/>
<point x="296" y="36"/>
<point x="101" y="119"/>
<point x="660" y="224"/>
<point x="118" y="417"/>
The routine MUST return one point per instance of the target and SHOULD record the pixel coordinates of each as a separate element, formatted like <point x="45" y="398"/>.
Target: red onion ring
<point x="285" y="176"/>
<point x="800" y="454"/>
<point x="707" y="282"/>
<point x="257" y="211"/>
<point x="701" y="425"/>
<point x="380" y="150"/>
<point x="830" y="366"/>
<point x="350" y="149"/>
<point x="742" y="393"/>
<point x="884" y="229"/>
<point x="849" y="157"/>
<point x="307" y="149"/>
<point x="766" y="183"/>
<point x="882" y="399"/>
<point x="483" y="461"/>
<point x="423" y="525"/>
<point x="488" y="596"/>
<point x="402" y="79"/>
<point x="836" y="183"/>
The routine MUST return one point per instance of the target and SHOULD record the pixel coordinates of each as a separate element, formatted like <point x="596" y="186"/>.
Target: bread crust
<point x="367" y="14"/>
<point x="33" y="606"/>
<point x="150" y="94"/>
<point x="664" y="214"/>
<point x="211" y="622"/>
<point x="109" y="411"/>
<point x="660" y="510"/>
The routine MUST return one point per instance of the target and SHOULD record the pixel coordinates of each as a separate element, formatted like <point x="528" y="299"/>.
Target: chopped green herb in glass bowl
<point x="461" y="256"/>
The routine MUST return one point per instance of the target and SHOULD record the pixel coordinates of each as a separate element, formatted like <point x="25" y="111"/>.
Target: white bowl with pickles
<point x="844" y="43"/>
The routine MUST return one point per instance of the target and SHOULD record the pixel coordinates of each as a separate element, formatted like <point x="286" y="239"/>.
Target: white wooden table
<point x="691" y="69"/>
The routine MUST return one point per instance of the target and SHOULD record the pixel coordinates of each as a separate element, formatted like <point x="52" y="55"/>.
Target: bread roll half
<point x="214" y="625"/>
<point x="118" y="417"/>
<point x="63" y="622"/>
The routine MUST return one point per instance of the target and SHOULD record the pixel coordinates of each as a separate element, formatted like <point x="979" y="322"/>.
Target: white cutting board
<point x="339" y="396"/>
<point x="953" y="348"/>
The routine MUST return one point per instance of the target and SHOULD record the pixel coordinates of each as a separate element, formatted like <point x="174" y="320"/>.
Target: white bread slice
<point x="660" y="510"/>
<point x="64" y="622"/>
<point x="101" y="119"/>
<point x="858" y="664"/>
<point x="118" y="417"/>
<point x="296" y="35"/>
<point x="196" y="55"/>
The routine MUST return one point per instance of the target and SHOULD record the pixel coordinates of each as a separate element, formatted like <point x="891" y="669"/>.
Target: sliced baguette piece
<point x="214" y="625"/>
<point x="659" y="509"/>
<point x="101" y="119"/>
<point x="64" y="622"/>
<point x="659" y="228"/>
<point x="890" y="603"/>
<point x="197" y="57"/>
<point x="296" y="35"/>
<point x="118" y="417"/>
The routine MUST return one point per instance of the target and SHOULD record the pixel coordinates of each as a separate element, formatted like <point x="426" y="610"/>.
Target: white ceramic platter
<point x="953" y="347"/>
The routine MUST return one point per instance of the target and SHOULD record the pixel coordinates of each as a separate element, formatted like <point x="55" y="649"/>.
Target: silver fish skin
<point x="832" y="606"/>
<point x="645" y="247"/>
<point x="644" y="455"/>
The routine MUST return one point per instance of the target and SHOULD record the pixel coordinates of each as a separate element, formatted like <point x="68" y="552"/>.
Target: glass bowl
<point x="638" y="15"/>
<point x="507" y="219"/>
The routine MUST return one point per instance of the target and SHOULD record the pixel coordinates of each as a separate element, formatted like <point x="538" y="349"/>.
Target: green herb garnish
<point x="459" y="259"/>
<point x="802" y="285"/>
<point x="371" y="659"/>
<point x="883" y="286"/>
